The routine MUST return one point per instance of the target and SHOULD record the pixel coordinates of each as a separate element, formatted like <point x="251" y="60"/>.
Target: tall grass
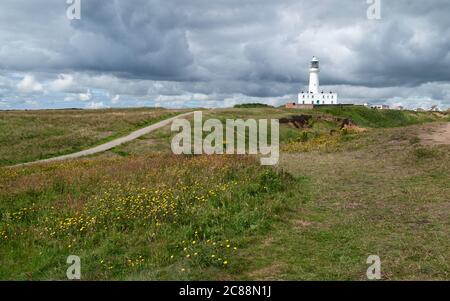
<point x="178" y="217"/>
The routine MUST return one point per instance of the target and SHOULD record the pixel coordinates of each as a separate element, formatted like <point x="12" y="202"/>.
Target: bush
<point x="252" y="105"/>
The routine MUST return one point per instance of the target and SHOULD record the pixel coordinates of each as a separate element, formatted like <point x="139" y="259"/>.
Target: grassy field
<point x="336" y="197"/>
<point x="317" y="133"/>
<point x="382" y="118"/>
<point x="383" y="194"/>
<point x="32" y="135"/>
<point x="152" y="217"/>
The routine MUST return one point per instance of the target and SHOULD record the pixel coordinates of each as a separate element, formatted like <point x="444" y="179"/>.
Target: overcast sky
<point x="216" y="53"/>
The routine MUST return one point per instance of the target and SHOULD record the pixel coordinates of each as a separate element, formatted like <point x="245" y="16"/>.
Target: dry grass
<point x="385" y="198"/>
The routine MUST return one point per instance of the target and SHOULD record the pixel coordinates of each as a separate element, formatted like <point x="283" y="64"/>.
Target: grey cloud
<point x="252" y="48"/>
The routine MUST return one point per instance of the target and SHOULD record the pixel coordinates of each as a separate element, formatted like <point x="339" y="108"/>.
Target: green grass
<point x="387" y="198"/>
<point x="33" y="135"/>
<point x="252" y="105"/>
<point x="366" y="117"/>
<point x="137" y="212"/>
<point x="161" y="217"/>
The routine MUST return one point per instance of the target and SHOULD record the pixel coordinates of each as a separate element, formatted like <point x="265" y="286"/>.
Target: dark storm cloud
<point x="255" y="48"/>
<point x="136" y="38"/>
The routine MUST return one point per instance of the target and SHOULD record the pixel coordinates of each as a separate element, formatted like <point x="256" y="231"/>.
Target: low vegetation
<point x="157" y="217"/>
<point x="337" y="196"/>
<point x="381" y="118"/>
<point x="33" y="135"/>
<point x="252" y="105"/>
<point x="324" y="142"/>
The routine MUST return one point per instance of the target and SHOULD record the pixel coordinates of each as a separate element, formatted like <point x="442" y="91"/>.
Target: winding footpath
<point x="111" y="144"/>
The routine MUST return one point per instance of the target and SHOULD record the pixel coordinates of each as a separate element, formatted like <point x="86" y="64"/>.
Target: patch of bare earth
<point x="436" y="134"/>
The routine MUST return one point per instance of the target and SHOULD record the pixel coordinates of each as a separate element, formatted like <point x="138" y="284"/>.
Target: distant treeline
<point x="252" y="105"/>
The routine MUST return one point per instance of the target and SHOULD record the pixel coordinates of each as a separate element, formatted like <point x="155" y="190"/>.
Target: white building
<point x="313" y="96"/>
<point x="380" y="107"/>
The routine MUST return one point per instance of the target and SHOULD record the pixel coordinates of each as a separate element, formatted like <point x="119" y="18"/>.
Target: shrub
<point x="252" y="105"/>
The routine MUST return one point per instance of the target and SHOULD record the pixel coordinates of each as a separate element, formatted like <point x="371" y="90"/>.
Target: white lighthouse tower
<point x="314" y="96"/>
<point x="314" y="76"/>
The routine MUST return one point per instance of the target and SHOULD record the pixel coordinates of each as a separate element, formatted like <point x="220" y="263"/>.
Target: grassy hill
<point x="37" y="135"/>
<point x="380" y="118"/>
<point x="139" y="212"/>
<point x="32" y="135"/>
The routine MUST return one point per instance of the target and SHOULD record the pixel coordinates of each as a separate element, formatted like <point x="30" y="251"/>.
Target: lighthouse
<point x="315" y="96"/>
<point x="314" y="76"/>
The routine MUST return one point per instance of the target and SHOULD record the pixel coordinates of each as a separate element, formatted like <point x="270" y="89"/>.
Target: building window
<point x="303" y="102"/>
<point x="331" y="102"/>
<point x="312" y="102"/>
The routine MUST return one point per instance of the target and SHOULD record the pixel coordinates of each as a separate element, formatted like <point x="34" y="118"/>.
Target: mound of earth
<point x="303" y="121"/>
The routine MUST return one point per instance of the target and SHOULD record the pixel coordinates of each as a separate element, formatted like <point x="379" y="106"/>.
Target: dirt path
<point x="111" y="144"/>
<point x="437" y="135"/>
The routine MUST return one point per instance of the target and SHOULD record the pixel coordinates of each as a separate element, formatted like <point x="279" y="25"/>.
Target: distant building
<point x="313" y="96"/>
<point x="380" y="107"/>
<point x="435" y="108"/>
